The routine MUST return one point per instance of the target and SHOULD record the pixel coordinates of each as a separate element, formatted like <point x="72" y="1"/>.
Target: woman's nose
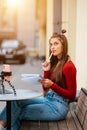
<point x="52" y="47"/>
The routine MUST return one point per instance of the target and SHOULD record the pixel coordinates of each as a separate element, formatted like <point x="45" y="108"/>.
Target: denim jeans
<point x="49" y="108"/>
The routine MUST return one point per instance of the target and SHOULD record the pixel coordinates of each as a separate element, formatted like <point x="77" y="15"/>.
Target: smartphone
<point x="41" y="77"/>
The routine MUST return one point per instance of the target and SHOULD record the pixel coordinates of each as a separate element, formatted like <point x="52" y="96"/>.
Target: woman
<point x="59" y="86"/>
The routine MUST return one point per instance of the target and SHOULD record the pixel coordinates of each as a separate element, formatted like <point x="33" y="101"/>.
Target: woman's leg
<point x="35" y="109"/>
<point x="45" y="109"/>
<point x="16" y="107"/>
<point x="15" y="111"/>
<point x="38" y="112"/>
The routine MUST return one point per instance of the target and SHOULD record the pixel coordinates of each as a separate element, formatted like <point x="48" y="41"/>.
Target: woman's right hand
<point x="46" y="65"/>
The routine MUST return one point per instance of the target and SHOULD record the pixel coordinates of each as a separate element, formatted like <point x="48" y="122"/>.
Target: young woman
<point x="59" y="86"/>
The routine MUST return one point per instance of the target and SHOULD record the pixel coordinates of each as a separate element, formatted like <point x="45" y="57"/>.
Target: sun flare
<point x="13" y="3"/>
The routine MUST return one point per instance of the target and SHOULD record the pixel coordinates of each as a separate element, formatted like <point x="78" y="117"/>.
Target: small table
<point x="21" y="94"/>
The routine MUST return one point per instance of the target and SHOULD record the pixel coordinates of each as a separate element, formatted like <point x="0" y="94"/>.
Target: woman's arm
<point x="69" y="73"/>
<point x="46" y="68"/>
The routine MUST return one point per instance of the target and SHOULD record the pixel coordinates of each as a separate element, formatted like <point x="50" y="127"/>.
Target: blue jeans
<point x="51" y="107"/>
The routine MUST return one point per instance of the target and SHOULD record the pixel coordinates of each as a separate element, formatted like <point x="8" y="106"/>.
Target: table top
<point x="21" y="94"/>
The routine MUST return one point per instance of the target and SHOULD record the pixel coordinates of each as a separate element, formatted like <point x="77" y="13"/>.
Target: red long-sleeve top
<point x="69" y="79"/>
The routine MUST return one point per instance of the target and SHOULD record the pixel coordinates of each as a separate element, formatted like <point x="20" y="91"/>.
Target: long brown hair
<point x="57" y="64"/>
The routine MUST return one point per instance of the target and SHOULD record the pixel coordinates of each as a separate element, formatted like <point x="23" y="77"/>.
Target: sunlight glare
<point x="13" y="3"/>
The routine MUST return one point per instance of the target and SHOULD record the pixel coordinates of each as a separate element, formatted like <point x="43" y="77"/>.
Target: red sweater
<point x="69" y="78"/>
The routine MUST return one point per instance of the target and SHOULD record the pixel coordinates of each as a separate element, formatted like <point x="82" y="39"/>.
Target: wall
<point x="69" y="23"/>
<point x="81" y="43"/>
<point x="49" y="24"/>
<point x="53" y="22"/>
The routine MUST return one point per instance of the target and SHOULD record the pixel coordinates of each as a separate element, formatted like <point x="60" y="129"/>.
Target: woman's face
<point x="56" y="47"/>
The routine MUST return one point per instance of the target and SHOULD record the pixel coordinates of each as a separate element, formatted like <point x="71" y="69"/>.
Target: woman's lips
<point x="53" y="51"/>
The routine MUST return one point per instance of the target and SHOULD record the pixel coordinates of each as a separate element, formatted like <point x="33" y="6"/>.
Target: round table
<point x="21" y="94"/>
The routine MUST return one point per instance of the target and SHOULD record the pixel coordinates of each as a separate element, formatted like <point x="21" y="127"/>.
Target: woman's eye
<point x="50" y="44"/>
<point x="55" y="43"/>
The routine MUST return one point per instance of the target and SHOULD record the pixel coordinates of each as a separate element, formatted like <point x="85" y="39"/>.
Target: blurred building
<point x="24" y="20"/>
<point x="8" y="20"/>
<point x="18" y="17"/>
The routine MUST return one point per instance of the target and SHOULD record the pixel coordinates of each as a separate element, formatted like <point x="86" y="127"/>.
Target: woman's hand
<point x="47" y="83"/>
<point x="46" y="65"/>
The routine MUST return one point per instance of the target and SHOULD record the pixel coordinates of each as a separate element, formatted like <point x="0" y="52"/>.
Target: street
<point x="32" y="66"/>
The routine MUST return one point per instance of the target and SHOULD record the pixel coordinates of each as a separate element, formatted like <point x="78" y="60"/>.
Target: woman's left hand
<point x="47" y="83"/>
